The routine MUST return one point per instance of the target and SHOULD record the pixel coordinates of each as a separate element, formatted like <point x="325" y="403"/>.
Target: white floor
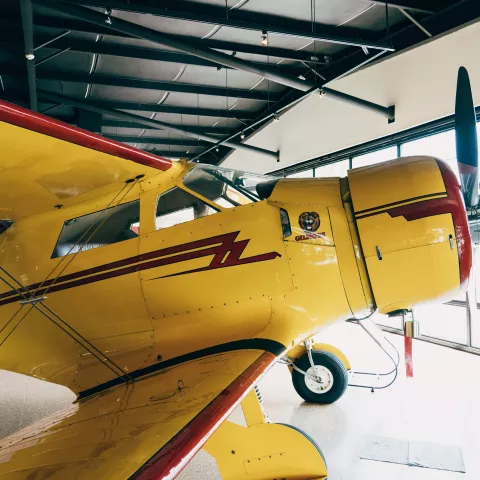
<point x="440" y="404"/>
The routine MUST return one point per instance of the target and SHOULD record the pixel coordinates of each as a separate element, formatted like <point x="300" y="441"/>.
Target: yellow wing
<point x="44" y="162"/>
<point x="143" y="430"/>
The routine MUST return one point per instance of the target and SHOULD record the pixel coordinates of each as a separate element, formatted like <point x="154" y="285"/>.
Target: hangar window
<point x="5" y="225"/>
<point x="375" y="157"/>
<point x="228" y="188"/>
<point x="178" y="206"/>
<point x="336" y="169"/>
<point x="304" y="174"/>
<point x="441" y="145"/>
<point x="112" y="225"/>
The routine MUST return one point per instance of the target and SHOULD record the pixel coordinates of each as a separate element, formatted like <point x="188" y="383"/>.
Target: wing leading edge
<point x="45" y="162"/>
<point x="148" y="429"/>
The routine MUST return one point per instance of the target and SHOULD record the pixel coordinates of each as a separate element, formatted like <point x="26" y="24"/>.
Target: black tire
<point x="338" y="373"/>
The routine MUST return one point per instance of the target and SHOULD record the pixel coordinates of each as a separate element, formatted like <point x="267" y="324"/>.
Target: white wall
<point x="420" y="82"/>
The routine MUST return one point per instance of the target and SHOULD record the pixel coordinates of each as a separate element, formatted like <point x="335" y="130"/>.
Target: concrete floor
<point x="440" y="405"/>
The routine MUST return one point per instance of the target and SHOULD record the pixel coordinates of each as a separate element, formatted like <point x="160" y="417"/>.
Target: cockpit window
<point x="178" y="206"/>
<point x="115" y="224"/>
<point x="228" y="188"/>
<point x="5" y="225"/>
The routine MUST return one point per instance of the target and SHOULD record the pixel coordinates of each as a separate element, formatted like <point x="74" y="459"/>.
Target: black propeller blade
<point x="466" y="139"/>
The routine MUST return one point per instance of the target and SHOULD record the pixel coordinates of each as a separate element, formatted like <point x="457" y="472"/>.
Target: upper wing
<point x="148" y="429"/>
<point x="45" y="162"/>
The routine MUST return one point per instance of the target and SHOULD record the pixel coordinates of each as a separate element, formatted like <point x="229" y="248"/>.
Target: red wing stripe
<point x="170" y="460"/>
<point x="36" y="122"/>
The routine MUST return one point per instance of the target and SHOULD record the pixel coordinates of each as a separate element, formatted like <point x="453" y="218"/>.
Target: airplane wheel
<point x="331" y="373"/>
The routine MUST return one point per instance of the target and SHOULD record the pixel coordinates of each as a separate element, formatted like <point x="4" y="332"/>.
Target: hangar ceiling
<point x="86" y="62"/>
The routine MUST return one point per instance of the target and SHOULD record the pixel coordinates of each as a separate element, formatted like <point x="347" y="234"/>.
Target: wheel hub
<point x="319" y="379"/>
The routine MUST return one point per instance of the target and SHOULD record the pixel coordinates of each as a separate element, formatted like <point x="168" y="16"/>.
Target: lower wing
<point x="148" y="429"/>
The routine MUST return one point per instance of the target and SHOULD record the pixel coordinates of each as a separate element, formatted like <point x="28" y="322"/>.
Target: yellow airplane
<point x="160" y="292"/>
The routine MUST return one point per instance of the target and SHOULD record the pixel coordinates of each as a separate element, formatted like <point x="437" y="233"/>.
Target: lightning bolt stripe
<point x="225" y="250"/>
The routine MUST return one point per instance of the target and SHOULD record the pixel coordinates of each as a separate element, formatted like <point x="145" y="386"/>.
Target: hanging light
<point x="108" y="12"/>
<point x="264" y="38"/>
<point x="242" y="136"/>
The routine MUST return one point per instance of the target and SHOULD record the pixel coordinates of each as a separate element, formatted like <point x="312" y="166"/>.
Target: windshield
<point x="228" y="188"/>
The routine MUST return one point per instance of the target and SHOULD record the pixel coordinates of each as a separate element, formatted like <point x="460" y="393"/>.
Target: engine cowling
<point x="413" y="229"/>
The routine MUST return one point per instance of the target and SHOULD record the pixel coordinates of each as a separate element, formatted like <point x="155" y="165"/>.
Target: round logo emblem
<point x="309" y="221"/>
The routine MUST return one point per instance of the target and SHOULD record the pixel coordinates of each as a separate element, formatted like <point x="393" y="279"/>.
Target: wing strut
<point x="36" y="299"/>
<point x="57" y="320"/>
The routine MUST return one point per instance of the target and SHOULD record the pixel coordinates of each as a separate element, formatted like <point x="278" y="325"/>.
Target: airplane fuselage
<point x="265" y="274"/>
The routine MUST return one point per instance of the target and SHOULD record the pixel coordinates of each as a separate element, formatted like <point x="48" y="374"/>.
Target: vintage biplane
<point x="160" y="292"/>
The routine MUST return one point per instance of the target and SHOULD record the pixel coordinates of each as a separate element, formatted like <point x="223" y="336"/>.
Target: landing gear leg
<point x="262" y="450"/>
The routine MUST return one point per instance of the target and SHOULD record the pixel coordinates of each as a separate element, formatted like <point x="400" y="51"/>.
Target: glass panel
<point x="213" y="183"/>
<point x="447" y="322"/>
<point x="304" y="174"/>
<point x="337" y="169"/>
<point x="98" y="229"/>
<point x="375" y="157"/>
<point x="441" y="146"/>
<point x="5" y="225"/>
<point x="178" y="206"/>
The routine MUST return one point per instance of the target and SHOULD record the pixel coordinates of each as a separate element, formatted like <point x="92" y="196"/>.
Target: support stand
<point x="410" y="331"/>
<point x="264" y="451"/>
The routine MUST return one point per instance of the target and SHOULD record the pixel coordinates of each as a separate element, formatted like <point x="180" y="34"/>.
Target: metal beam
<point x="263" y="119"/>
<point x="48" y="41"/>
<point x="162" y="108"/>
<point x="121" y="124"/>
<point x="171" y="41"/>
<point x="244" y="19"/>
<point x="118" y="81"/>
<point x="93" y="107"/>
<point x="458" y="14"/>
<point x="416" y="22"/>
<point x="155" y="107"/>
<point x="27" y="25"/>
<point x="52" y="56"/>
<point x="423" y="6"/>
<point x="155" y="140"/>
<point x="7" y="28"/>
<point x="106" y="122"/>
<point x="169" y="153"/>
<point x="388" y="112"/>
<point x="88" y="120"/>
<point x="127" y="51"/>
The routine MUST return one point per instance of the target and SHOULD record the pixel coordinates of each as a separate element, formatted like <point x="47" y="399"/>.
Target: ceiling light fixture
<point x="264" y="38"/>
<point x="108" y="12"/>
<point x="242" y="136"/>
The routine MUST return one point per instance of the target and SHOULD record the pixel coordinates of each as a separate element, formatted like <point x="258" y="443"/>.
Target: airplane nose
<point x="414" y="231"/>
